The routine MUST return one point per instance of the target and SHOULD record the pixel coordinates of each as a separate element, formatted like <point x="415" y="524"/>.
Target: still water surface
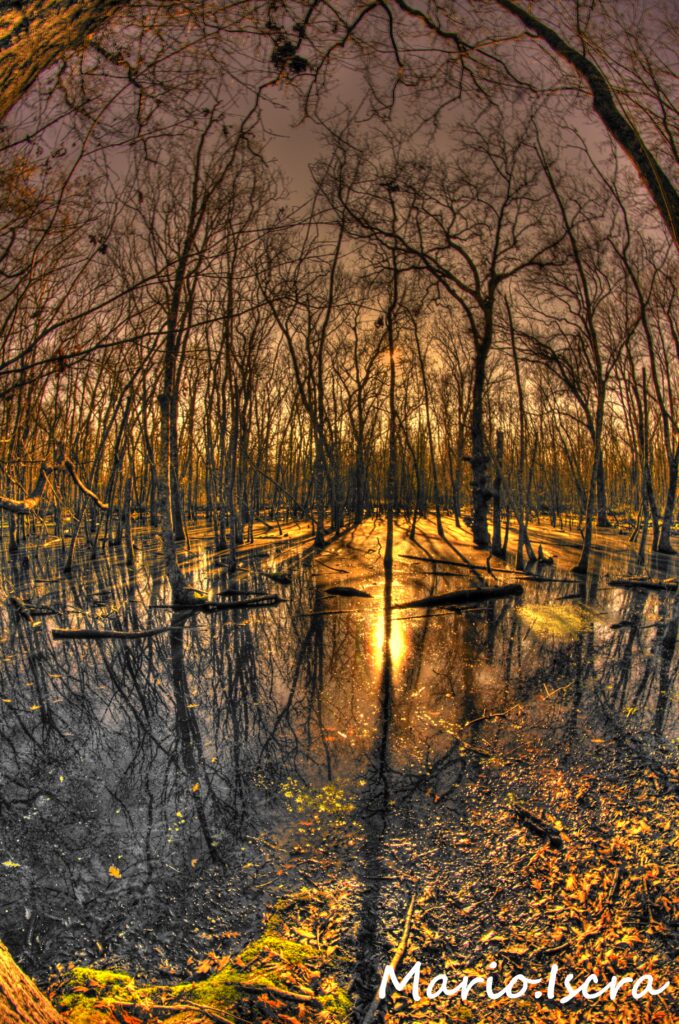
<point x="157" y="794"/>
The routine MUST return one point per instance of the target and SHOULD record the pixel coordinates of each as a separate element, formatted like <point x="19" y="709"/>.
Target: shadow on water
<point x="152" y="791"/>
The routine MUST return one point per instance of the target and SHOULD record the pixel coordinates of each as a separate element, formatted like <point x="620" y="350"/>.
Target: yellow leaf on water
<point x="10" y="864"/>
<point x="114" y="872"/>
<point x="195" y="787"/>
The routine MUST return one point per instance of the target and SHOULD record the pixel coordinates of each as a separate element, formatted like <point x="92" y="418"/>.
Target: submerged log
<point x="30" y="611"/>
<point x="269" y="601"/>
<point x="21" y="1002"/>
<point x="471" y="596"/>
<point x="347" y="592"/>
<point x="283" y="578"/>
<point x="645" y="583"/>
<point x="266" y="601"/>
<point x="115" y="634"/>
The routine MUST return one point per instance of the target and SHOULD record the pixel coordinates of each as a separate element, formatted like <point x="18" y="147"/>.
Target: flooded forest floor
<point x="245" y="817"/>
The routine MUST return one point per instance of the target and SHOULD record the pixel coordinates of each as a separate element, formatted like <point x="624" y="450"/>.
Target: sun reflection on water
<point x="398" y="641"/>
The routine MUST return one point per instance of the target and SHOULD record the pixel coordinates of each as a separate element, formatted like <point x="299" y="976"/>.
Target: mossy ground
<point x="292" y="955"/>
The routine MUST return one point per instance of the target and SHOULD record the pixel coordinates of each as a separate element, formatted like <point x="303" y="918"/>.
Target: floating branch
<point x="465" y="596"/>
<point x="346" y="592"/>
<point x="645" y="583"/>
<point x="269" y="601"/>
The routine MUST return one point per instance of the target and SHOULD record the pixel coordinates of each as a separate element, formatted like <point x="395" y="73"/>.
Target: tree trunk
<point x="583" y="564"/>
<point x="602" y="515"/>
<point x="49" y="32"/>
<point x="665" y="542"/>
<point x="177" y="581"/>
<point x="624" y="131"/>
<point x="480" y="492"/>
<point x="497" y="497"/>
<point x="21" y="1002"/>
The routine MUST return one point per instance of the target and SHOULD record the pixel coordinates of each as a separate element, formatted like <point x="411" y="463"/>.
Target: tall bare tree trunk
<point x="497" y="548"/>
<point x="665" y="542"/>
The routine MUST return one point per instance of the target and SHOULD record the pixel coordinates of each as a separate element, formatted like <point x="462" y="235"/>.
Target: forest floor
<point x="542" y="831"/>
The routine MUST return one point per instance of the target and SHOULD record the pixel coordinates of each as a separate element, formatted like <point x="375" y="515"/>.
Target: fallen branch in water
<point x="270" y="601"/>
<point x="470" y="596"/>
<point x="331" y="567"/>
<point x="115" y="634"/>
<point x="30" y="611"/>
<point x="644" y="583"/>
<point x="395" y="960"/>
<point x="346" y="592"/>
<point x="24" y="506"/>
<point x="491" y="714"/>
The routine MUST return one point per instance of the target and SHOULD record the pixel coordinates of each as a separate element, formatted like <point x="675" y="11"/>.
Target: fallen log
<point x="29" y="611"/>
<point x="644" y="583"/>
<point x="284" y="578"/>
<point x="154" y="1011"/>
<point x="115" y="634"/>
<point x="269" y="601"/>
<point x="25" y="506"/>
<point x="346" y="592"/>
<point x="471" y="596"/>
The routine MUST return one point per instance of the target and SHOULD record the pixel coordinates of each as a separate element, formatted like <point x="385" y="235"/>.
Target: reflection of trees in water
<point x="125" y="737"/>
<point x="374" y="813"/>
<point x="639" y="670"/>
<point x="212" y="718"/>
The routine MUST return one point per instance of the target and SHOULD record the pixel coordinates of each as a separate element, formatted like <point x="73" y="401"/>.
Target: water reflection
<point x="161" y="757"/>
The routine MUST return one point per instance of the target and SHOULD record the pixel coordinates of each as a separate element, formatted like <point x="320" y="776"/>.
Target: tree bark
<point x="602" y="511"/>
<point x="496" y="548"/>
<point x="665" y="541"/>
<point x="21" y="1002"/>
<point x="33" y="39"/>
<point x="659" y="186"/>
<point x="479" y="460"/>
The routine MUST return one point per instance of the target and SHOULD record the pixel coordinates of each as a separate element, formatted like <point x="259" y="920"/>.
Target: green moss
<point x="339" y="1004"/>
<point x="109" y="981"/>
<point x="89" y="990"/>
<point x="290" y="952"/>
<point x="219" y="990"/>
